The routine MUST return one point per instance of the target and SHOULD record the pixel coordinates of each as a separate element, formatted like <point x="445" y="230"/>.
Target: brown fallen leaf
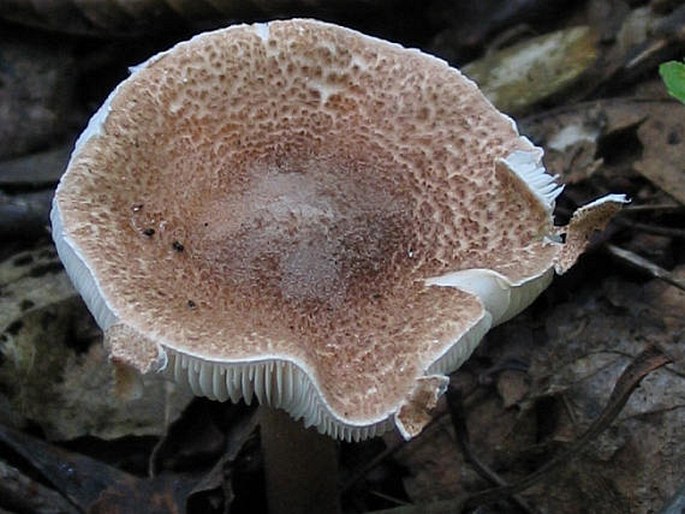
<point x="590" y="341"/>
<point x="644" y="363"/>
<point x="458" y="418"/>
<point x="512" y="386"/>
<point x="650" y="359"/>
<point x="221" y="474"/>
<point x="663" y="139"/>
<point x="51" y="375"/>
<point x="657" y="151"/>
<point x="436" y="468"/>
<point x="97" y="488"/>
<point x="22" y="493"/>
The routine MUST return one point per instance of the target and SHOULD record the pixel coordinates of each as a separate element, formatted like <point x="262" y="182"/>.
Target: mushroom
<point x="299" y="212"/>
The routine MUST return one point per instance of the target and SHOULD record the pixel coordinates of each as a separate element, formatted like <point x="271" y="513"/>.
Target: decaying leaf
<point x="570" y="138"/>
<point x="52" y="378"/>
<point x="657" y="152"/>
<point x="140" y="17"/>
<point x="648" y="360"/>
<point x="25" y="494"/>
<point x="518" y="77"/>
<point x="472" y="25"/>
<point x="36" y="81"/>
<point x="588" y="343"/>
<point x="663" y="138"/>
<point x="436" y="467"/>
<point x="591" y="341"/>
<point x="30" y="281"/>
<point x="97" y="488"/>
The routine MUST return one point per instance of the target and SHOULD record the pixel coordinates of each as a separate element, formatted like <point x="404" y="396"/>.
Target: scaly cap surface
<point x="297" y="211"/>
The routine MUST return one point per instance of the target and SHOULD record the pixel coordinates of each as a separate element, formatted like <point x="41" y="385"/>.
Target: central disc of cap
<point x="307" y="231"/>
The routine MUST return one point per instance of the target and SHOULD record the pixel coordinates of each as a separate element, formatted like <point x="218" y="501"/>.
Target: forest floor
<point x="576" y="405"/>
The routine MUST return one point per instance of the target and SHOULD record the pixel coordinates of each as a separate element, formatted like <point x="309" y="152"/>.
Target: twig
<point x="645" y="265"/>
<point x="24" y="494"/>
<point x="637" y="209"/>
<point x="458" y="417"/>
<point x="390" y="450"/>
<point x="451" y="506"/>
<point x="388" y="498"/>
<point x="651" y="229"/>
<point x="649" y="360"/>
<point x="36" y="170"/>
<point x="25" y="215"/>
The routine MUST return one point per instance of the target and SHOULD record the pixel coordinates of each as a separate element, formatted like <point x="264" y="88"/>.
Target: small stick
<point x="458" y="416"/>
<point x="645" y="265"/>
<point x="647" y="361"/>
<point x="651" y="229"/>
<point x="20" y="492"/>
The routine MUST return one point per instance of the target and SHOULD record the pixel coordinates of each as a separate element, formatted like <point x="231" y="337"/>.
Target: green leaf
<point x="673" y="75"/>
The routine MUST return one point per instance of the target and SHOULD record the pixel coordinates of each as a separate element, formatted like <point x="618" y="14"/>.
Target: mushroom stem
<point x="301" y="466"/>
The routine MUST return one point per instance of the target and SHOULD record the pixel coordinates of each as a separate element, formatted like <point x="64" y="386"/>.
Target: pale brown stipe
<point x="297" y="211"/>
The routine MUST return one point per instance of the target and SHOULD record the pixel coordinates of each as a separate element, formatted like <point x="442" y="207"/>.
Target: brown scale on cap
<point x="314" y="179"/>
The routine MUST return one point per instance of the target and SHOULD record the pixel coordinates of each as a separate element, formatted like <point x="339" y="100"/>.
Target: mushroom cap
<point x="300" y="212"/>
